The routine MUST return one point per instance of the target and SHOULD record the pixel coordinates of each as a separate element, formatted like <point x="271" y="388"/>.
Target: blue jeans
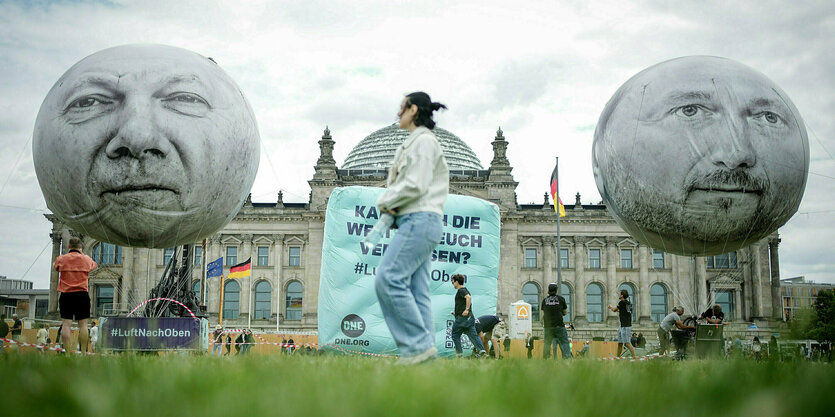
<point x="561" y="337"/>
<point x="217" y="347"/>
<point x="402" y="282"/>
<point x="465" y="325"/>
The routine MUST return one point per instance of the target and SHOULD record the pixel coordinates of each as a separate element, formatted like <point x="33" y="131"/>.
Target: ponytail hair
<point x="425" y="107"/>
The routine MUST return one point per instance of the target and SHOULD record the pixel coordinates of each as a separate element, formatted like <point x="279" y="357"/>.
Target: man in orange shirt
<point x="74" y="302"/>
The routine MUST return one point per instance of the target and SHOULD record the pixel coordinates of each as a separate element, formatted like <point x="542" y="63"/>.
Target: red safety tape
<point x="54" y="347"/>
<point x="632" y="359"/>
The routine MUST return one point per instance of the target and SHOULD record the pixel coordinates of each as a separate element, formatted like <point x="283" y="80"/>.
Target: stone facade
<point x="747" y="280"/>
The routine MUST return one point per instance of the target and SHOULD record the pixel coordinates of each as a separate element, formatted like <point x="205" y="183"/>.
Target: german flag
<point x="558" y="207"/>
<point x="241" y="270"/>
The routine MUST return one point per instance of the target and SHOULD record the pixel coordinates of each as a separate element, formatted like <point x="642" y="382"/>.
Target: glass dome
<point x="377" y="150"/>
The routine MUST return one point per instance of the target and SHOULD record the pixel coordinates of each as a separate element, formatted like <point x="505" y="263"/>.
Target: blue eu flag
<point x="215" y="269"/>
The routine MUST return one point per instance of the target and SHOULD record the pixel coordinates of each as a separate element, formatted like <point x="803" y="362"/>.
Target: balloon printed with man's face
<point x="700" y="156"/>
<point x="145" y="145"/>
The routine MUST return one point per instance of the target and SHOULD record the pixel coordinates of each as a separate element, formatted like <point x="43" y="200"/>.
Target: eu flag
<point x="215" y="269"/>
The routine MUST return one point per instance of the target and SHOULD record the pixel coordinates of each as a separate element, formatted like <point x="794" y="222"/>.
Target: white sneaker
<point x="419" y="358"/>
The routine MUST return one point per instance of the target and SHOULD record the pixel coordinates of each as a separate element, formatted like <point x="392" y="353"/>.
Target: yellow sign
<point x="523" y="312"/>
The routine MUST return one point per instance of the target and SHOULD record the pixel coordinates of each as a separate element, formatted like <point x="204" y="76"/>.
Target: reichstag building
<point x="596" y="256"/>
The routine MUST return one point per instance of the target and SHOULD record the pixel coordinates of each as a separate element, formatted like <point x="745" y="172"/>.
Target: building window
<point x="41" y="307"/>
<point x="295" y="255"/>
<point x="263" y="296"/>
<point x="563" y="258"/>
<point x="594" y="303"/>
<point x="263" y="256"/>
<point x="626" y="258"/>
<point x="565" y="292"/>
<point x="167" y="254"/>
<point x="104" y="299"/>
<point x="530" y="258"/>
<point x="107" y="254"/>
<point x="530" y="294"/>
<point x="197" y="288"/>
<point x="632" y="299"/>
<point x="198" y="255"/>
<point x="231" y="299"/>
<point x="657" y="259"/>
<point x="723" y="261"/>
<point x="726" y="300"/>
<point x="293" y="301"/>
<point x="658" y="302"/>
<point x="231" y="255"/>
<point x="594" y="258"/>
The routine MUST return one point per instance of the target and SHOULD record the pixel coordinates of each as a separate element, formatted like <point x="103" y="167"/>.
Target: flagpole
<point x="251" y="306"/>
<point x="203" y="287"/>
<point x="559" y="249"/>
<point x="220" y="310"/>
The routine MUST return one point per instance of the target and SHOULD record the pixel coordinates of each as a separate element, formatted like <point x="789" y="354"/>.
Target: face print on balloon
<point x="700" y="156"/>
<point x="145" y="145"/>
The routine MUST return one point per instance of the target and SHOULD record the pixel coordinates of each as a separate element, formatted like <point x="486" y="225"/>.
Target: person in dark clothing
<point x="239" y="343"/>
<point x="553" y="309"/>
<point x="642" y="341"/>
<point x="529" y="344"/>
<point x="4" y="329"/>
<point x="228" y="344"/>
<point x="507" y="345"/>
<point x="464" y="321"/>
<point x="491" y="329"/>
<point x="291" y="346"/>
<point x="249" y="341"/>
<point x="624" y="310"/>
<point x="283" y="345"/>
<point x="713" y="315"/>
<point x="17" y="328"/>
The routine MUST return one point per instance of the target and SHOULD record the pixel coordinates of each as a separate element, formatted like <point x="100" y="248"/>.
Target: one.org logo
<point x="353" y="325"/>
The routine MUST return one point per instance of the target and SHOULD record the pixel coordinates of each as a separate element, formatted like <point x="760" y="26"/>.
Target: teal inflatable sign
<point x="350" y="319"/>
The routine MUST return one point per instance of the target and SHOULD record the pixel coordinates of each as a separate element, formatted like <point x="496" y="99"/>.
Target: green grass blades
<point x="180" y="385"/>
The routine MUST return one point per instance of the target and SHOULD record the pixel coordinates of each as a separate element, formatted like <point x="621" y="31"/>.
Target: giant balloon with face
<point x="145" y="145"/>
<point x="700" y="156"/>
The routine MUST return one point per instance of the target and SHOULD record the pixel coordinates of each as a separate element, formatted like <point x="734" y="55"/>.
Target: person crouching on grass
<point x="416" y="192"/>
<point x="624" y="310"/>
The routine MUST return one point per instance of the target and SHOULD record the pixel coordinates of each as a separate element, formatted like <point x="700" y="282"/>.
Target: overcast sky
<point x="541" y="70"/>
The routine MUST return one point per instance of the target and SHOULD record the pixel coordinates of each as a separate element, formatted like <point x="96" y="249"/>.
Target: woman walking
<point x="416" y="191"/>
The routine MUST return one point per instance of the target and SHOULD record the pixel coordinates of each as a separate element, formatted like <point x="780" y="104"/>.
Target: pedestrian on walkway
<point x="416" y="191"/>
<point x="74" y="302"/>
<point x="464" y="322"/>
<point x="217" y="341"/>
<point x="94" y="336"/>
<point x="529" y="343"/>
<point x="624" y="310"/>
<point x="553" y="309"/>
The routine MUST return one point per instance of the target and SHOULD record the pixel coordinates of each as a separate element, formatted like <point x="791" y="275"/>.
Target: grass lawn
<point x="262" y="385"/>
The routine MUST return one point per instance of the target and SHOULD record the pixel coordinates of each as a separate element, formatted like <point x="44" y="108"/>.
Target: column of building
<point x="580" y="277"/>
<point x="278" y="282"/>
<point x="215" y="251"/>
<point x="547" y="263"/>
<point x="701" y="301"/>
<point x="612" y="257"/>
<point x="642" y="298"/>
<point x="123" y="296"/>
<point x="53" y="275"/>
<point x="745" y="258"/>
<point x="774" y="259"/>
<point x="245" y="306"/>
<point x="757" y="278"/>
